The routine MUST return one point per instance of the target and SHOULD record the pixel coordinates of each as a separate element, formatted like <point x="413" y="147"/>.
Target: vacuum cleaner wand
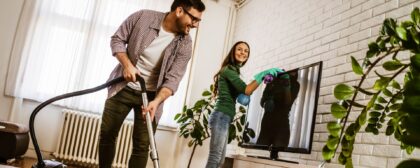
<point x="153" y="150"/>
<point x="54" y="164"/>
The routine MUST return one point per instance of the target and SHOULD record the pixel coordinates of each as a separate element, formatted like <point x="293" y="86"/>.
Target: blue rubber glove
<point x="260" y="76"/>
<point x="243" y="99"/>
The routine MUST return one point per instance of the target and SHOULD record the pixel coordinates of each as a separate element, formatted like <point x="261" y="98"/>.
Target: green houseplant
<point x="393" y="106"/>
<point x="194" y="123"/>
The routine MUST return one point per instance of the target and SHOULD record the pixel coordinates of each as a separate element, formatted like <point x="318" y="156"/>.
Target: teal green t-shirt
<point x="230" y="85"/>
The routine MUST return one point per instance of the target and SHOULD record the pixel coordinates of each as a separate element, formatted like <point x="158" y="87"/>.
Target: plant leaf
<point x="395" y="85"/>
<point x="395" y="107"/>
<point x="343" y="92"/>
<point x="370" y="54"/>
<point x="206" y="93"/>
<point x="243" y="117"/>
<point x="415" y="61"/>
<point x="415" y="36"/>
<point x="342" y="159"/>
<point x="392" y="65"/>
<point x="327" y="154"/>
<point x="402" y="33"/>
<point x="338" y="111"/>
<point x="386" y="92"/>
<point x="381" y="83"/>
<point x="362" y="117"/>
<point x="251" y="133"/>
<point x="356" y="66"/>
<point x="177" y="116"/>
<point x="378" y="107"/>
<point x="238" y="126"/>
<point x="332" y="142"/>
<point x="381" y="100"/>
<point x="389" y="130"/>
<point x="371" y="102"/>
<point x="375" y="114"/>
<point x="415" y="15"/>
<point x="351" y="132"/>
<point x="334" y="128"/>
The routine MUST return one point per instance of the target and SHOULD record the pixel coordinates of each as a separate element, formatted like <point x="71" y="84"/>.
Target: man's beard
<point x="180" y="27"/>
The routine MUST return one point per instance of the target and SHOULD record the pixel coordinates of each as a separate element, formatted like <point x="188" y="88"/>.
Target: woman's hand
<point x="272" y="71"/>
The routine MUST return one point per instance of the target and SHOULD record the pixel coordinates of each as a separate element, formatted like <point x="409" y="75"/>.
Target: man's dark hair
<point x="187" y="4"/>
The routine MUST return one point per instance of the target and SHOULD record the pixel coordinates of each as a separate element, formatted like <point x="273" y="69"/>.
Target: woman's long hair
<point x="229" y="60"/>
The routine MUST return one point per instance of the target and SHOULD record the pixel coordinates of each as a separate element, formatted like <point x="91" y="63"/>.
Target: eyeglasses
<point x="193" y="18"/>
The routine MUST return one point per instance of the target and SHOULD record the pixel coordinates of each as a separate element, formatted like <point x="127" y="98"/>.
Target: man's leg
<point x="140" y="153"/>
<point x="115" y="111"/>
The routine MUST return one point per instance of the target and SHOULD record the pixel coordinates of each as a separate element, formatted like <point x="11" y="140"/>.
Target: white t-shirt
<point x="150" y="61"/>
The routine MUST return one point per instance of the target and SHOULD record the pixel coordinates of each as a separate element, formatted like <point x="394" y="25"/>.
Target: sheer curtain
<point x="302" y="112"/>
<point x="68" y="50"/>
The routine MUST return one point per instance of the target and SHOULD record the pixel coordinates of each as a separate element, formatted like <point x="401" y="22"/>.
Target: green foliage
<point x="392" y="105"/>
<point x="194" y="122"/>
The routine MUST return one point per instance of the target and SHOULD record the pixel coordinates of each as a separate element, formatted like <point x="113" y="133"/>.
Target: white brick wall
<point x="293" y="33"/>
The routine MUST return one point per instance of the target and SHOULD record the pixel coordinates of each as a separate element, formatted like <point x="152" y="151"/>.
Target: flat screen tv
<point x="282" y="113"/>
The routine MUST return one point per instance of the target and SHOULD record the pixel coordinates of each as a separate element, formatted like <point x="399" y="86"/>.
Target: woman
<point x="227" y="86"/>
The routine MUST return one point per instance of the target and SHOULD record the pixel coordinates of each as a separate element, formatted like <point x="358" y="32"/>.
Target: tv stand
<point x="257" y="161"/>
<point x="274" y="155"/>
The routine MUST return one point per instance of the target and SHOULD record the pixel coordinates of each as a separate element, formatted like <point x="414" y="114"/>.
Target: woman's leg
<point x="219" y="126"/>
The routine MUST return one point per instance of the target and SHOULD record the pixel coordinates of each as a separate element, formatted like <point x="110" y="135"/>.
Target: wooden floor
<point x="23" y="163"/>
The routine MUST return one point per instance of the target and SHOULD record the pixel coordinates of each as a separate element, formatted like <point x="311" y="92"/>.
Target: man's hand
<point x="129" y="73"/>
<point x="161" y="96"/>
<point x="151" y="108"/>
<point x="129" y="70"/>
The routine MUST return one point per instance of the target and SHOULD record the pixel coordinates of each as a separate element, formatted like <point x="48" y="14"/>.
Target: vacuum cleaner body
<point x="14" y="140"/>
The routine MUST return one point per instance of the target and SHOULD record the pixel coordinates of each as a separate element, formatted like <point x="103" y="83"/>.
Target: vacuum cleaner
<point x="55" y="164"/>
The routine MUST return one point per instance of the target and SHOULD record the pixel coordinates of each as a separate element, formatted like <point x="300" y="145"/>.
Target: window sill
<point x="167" y="128"/>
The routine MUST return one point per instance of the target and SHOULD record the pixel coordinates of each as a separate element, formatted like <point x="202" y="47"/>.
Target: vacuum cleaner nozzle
<point x="49" y="164"/>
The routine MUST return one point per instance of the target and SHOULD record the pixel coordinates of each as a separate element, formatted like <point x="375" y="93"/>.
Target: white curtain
<point x="68" y="49"/>
<point x="302" y="112"/>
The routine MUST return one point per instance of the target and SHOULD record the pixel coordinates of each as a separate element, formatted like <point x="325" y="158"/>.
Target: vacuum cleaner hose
<point x="41" y="163"/>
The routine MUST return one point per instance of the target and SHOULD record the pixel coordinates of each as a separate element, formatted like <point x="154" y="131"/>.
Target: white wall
<point x="9" y="15"/>
<point x="173" y="151"/>
<point x="292" y="33"/>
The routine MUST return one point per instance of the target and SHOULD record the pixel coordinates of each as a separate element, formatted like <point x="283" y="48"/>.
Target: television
<point x="282" y="112"/>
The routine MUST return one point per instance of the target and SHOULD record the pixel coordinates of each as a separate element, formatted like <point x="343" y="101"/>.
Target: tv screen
<point x="282" y="112"/>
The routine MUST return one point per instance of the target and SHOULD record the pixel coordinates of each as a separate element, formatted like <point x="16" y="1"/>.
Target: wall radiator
<point x="79" y="140"/>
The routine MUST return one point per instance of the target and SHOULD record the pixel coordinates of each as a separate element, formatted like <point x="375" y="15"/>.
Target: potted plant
<point x="393" y="106"/>
<point x="194" y="123"/>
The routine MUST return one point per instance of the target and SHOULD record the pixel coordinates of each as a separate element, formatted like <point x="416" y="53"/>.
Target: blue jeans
<point x="219" y="125"/>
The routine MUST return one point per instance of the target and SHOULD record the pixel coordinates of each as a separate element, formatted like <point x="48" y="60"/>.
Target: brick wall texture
<point x="293" y="33"/>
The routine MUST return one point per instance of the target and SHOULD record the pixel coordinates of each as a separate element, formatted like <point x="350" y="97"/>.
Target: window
<point x="69" y="50"/>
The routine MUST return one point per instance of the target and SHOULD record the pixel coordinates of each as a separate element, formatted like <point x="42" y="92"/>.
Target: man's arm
<point x="161" y="96"/>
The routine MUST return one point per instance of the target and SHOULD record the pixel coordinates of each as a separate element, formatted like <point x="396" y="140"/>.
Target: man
<point x="157" y="47"/>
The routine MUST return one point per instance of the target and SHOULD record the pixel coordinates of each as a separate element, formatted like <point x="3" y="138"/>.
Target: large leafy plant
<point x="394" y="107"/>
<point x="194" y="123"/>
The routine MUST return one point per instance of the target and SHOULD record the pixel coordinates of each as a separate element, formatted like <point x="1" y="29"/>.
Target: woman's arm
<point x="251" y="87"/>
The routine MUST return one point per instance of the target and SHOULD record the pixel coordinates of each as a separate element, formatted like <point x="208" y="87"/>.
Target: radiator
<point x="78" y="140"/>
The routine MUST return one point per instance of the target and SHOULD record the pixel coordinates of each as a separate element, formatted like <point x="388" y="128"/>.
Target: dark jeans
<point x="116" y="110"/>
